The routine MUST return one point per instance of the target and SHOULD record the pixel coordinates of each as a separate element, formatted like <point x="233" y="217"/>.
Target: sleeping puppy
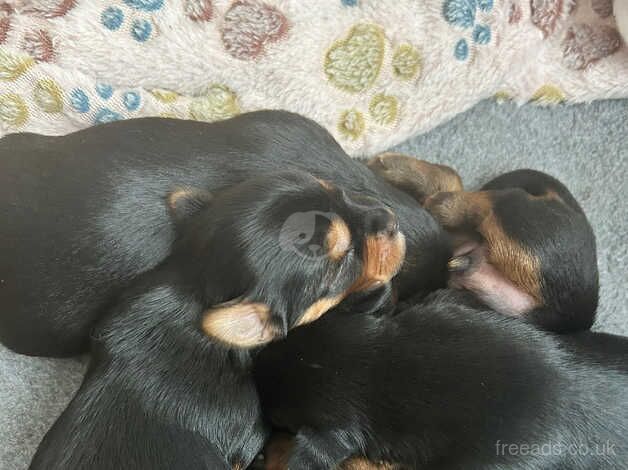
<point x="444" y="384"/>
<point x="83" y="214"/>
<point x="169" y="384"/>
<point x="523" y="244"/>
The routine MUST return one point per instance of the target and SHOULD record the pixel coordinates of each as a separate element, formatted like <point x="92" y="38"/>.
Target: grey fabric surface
<point x="586" y="147"/>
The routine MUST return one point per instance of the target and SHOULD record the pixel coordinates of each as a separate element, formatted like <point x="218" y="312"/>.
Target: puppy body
<point x="442" y="385"/>
<point x="158" y="394"/>
<point x="83" y="214"/>
<point x="169" y="385"/>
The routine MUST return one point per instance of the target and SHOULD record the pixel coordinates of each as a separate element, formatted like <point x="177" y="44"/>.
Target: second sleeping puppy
<point x="169" y="385"/>
<point x="446" y="384"/>
<point x="522" y="243"/>
<point x="82" y="214"/>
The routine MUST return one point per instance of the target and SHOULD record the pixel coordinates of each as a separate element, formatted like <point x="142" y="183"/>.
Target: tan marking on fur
<point x="277" y="451"/>
<point x="382" y="259"/>
<point x="320" y="307"/>
<point x="197" y="196"/>
<point x="338" y="239"/>
<point x="241" y="324"/>
<point x="419" y="178"/>
<point x="175" y="196"/>
<point x="473" y="211"/>
<point x="359" y="463"/>
<point x="518" y="265"/>
<point x="326" y="184"/>
<point x="549" y="195"/>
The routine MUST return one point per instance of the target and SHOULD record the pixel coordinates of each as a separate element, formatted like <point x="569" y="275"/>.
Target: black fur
<point x="161" y="394"/>
<point x="83" y="214"/>
<point x="446" y="386"/>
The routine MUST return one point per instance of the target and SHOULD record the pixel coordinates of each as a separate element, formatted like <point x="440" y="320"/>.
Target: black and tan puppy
<point x="169" y="383"/>
<point x="523" y="244"/>
<point x="445" y="385"/>
<point x="83" y="214"/>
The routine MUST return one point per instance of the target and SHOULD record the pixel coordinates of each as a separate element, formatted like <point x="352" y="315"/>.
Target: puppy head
<point x="524" y="246"/>
<point x="280" y="250"/>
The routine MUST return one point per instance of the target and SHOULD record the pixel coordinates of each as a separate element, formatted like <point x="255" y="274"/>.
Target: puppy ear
<point x="241" y="324"/>
<point x="184" y="202"/>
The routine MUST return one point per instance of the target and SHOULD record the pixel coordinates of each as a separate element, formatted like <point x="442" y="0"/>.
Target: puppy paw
<point x="418" y="178"/>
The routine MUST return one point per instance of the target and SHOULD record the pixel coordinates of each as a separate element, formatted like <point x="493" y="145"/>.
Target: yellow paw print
<point x="354" y="63"/>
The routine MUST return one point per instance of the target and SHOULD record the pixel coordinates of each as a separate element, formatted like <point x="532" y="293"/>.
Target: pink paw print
<point x="249" y="26"/>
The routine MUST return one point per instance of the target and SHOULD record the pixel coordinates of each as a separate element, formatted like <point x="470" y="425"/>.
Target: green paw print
<point x="354" y="63"/>
<point x="406" y="62"/>
<point x="48" y="96"/>
<point x="217" y="103"/>
<point x="351" y="124"/>
<point x="384" y="109"/>
<point x="12" y="66"/>
<point x="13" y="110"/>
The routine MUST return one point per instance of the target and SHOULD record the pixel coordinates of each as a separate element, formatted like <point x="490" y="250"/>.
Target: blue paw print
<point x="145" y="5"/>
<point x="461" y="51"/>
<point x="349" y="3"/>
<point x="462" y="13"/>
<point x="141" y="30"/>
<point x="104" y="91"/>
<point x="485" y="5"/>
<point x="112" y="18"/>
<point x="79" y="100"/>
<point x="482" y="34"/>
<point x="131" y="100"/>
<point x="105" y="115"/>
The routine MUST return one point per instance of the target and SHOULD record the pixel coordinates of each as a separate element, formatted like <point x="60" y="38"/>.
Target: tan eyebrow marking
<point x="338" y="239"/>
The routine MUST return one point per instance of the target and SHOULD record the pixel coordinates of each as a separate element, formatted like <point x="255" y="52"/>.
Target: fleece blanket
<point x="373" y="72"/>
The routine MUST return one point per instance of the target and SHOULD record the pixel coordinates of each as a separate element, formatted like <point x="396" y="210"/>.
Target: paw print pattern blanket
<point x="373" y="72"/>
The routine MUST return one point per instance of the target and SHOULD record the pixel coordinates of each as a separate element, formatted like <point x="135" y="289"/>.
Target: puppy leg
<point x="418" y="178"/>
<point x="460" y="211"/>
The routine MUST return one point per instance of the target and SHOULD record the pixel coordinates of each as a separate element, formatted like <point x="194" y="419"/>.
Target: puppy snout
<point x="382" y="221"/>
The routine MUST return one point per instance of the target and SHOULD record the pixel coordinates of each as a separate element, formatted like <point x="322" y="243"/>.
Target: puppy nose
<point x="378" y="219"/>
<point x="381" y="221"/>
